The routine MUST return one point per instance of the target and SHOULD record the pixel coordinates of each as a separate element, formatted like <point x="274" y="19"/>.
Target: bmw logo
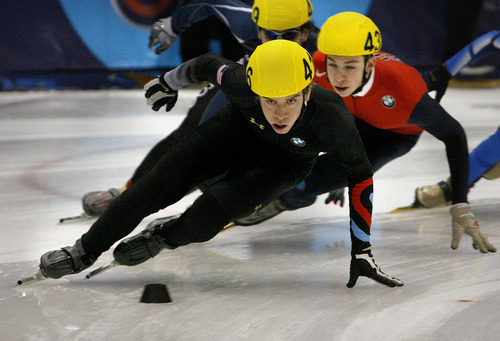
<point x="388" y="101"/>
<point x="298" y="141"/>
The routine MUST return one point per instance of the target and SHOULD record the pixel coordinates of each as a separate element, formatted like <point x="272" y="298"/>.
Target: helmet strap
<point x="304" y="104"/>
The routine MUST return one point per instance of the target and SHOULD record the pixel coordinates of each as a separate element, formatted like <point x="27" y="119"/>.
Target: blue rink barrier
<point x="62" y="44"/>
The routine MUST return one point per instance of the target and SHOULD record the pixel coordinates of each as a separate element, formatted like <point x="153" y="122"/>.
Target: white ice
<point x="282" y="280"/>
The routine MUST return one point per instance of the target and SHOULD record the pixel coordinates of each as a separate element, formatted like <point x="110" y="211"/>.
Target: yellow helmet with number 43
<point x="279" y="68"/>
<point x="349" y="34"/>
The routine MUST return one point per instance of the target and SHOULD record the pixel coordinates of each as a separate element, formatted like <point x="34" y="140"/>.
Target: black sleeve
<point x="223" y="73"/>
<point x="340" y="132"/>
<point x="431" y="116"/>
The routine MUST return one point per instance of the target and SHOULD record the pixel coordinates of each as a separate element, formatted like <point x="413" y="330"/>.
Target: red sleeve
<point x="320" y="77"/>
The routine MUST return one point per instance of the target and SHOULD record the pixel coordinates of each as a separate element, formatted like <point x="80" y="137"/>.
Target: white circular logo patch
<point x="388" y="101"/>
<point x="298" y="141"/>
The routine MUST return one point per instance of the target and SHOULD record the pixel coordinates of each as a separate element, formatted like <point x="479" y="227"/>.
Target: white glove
<point x="463" y="221"/>
<point x="162" y="35"/>
<point x="159" y="94"/>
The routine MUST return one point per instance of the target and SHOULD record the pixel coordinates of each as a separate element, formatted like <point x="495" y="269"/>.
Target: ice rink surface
<point x="282" y="280"/>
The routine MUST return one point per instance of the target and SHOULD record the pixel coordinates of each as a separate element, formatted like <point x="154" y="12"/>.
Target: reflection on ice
<point x="282" y="280"/>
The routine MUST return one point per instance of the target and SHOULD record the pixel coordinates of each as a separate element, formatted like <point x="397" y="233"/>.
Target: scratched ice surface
<point x="282" y="280"/>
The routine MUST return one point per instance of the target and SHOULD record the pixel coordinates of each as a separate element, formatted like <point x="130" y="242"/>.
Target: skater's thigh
<point x="246" y="188"/>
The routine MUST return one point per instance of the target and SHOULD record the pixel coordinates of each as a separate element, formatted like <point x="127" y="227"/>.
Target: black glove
<point x="336" y="196"/>
<point x="159" y="94"/>
<point x="363" y="264"/>
<point x="438" y="79"/>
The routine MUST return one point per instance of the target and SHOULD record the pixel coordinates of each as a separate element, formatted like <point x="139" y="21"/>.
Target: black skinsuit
<point x="259" y="163"/>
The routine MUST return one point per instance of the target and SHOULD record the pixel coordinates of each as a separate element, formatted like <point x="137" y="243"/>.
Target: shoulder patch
<point x="388" y="101"/>
<point x="220" y="72"/>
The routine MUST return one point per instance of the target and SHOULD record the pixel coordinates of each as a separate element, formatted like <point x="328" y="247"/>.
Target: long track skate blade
<point x="101" y="269"/>
<point x="74" y="219"/>
<point x="39" y="276"/>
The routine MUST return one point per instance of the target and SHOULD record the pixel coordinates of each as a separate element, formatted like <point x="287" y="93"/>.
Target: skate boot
<point x="94" y="203"/>
<point x="493" y="173"/>
<point x="161" y="221"/>
<point x="143" y="246"/>
<point x="433" y="195"/>
<point x="363" y="264"/>
<point x="69" y="260"/>
<point x="265" y="213"/>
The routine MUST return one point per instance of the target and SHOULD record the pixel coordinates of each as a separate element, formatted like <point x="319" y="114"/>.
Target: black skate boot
<point x="265" y="213"/>
<point x="161" y="221"/>
<point x="94" y="203"/>
<point x="69" y="260"/>
<point x="363" y="264"/>
<point x="143" y="246"/>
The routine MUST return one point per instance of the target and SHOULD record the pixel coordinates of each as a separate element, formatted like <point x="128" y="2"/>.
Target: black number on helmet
<point x="369" y="42"/>
<point x="309" y="8"/>
<point x="307" y="68"/>
<point x="249" y="78"/>
<point x="378" y="37"/>
<point x="255" y="14"/>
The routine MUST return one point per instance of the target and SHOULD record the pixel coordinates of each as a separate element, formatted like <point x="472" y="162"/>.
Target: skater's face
<point x="298" y="35"/>
<point x="283" y="112"/>
<point x="345" y="73"/>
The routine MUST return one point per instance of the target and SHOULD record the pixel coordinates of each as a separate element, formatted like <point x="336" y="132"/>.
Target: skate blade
<point x="101" y="269"/>
<point x="163" y="220"/>
<point x="39" y="276"/>
<point x="411" y="207"/>
<point x="229" y="226"/>
<point x="74" y="219"/>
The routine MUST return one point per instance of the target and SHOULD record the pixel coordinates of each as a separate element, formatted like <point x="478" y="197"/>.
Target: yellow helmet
<point x="349" y="34"/>
<point x="279" y="68"/>
<point x="281" y="14"/>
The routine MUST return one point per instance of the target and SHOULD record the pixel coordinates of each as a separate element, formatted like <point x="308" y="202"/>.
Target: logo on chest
<point x="388" y="101"/>
<point x="298" y="141"/>
<point x="253" y="121"/>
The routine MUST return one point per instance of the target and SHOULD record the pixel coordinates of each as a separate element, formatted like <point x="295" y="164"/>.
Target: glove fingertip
<point x="352" y="282"/>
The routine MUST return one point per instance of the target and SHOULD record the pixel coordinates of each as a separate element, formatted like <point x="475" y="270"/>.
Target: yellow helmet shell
<point x="349" y="34"/>
<point x="279" y="68"/>
<point x="281" y="15"/>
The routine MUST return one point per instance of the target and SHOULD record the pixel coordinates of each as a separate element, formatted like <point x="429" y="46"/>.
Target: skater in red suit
<point x="390" y="103"/>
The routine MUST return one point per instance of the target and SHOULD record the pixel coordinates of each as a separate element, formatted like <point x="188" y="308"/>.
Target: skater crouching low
<point x="265" y="141"/>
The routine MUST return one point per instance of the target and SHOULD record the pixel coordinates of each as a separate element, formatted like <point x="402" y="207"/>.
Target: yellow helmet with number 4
<point x="349" y="34"/>
<point x="281" y="14"/>
<point x="279" y="68"/>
